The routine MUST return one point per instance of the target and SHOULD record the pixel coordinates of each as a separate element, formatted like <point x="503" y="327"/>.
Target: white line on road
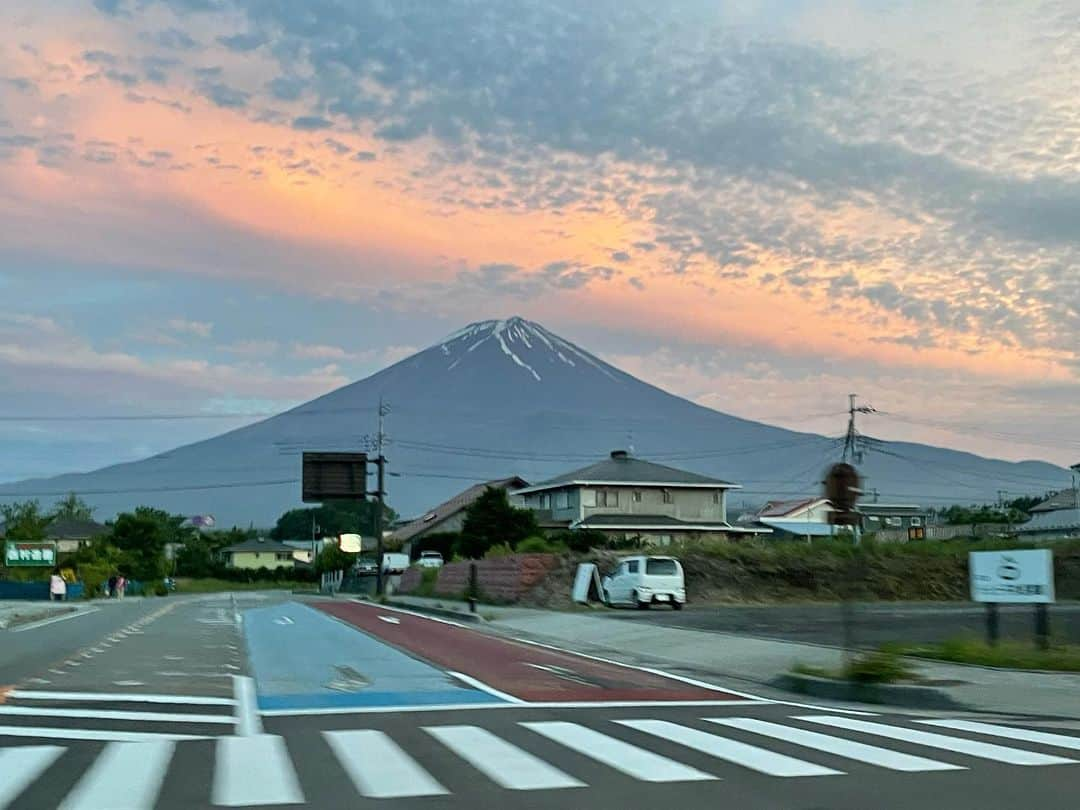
<point x="22" y="628"/>
<point x="849" y="749"/>
<point x="503" y="763"/>
<point x="569" y="704"/>
<point x="379" y="768"/>
<point x="631" y="760"/>
<point x="1011" y="732"/>
<point x="105" y="714"/>
<point x="126" y="776"/>
<point x="116" y="697"/>
<point x="997" y="753"/>
<point x="19" y="767"/>
<point x="483" y="687"/>
<point x="92" y="734"/>
<point x="390" y="619"/>
<point x="248" y="722"/>
<point x="253" y="771"/>
<point x="748" y="756"/>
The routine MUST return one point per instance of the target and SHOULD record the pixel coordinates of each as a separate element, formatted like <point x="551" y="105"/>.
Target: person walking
<point x="121" y="585"/>
<point x="110" y="586"/>
<point x="57" y="587"/>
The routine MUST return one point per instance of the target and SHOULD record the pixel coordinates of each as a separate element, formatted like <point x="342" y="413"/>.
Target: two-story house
<point x="629" y="498"/>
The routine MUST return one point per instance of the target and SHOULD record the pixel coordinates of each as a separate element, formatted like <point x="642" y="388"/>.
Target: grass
<point x="874" y="667"/>
<point x="1006" y="654"/>
<point x="211" y="585"/>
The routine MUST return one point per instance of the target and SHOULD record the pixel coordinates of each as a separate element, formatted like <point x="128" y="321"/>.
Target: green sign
<point x="29" y="554"/>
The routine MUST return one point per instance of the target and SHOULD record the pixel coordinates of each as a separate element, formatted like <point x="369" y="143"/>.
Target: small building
<point x="258" y="553"/>
<point x="1056" y="517"/>
<point x="71" y="534"/>
<point x="892" y="517"/>
<point x="448" y="516"/>
<point x="629" y="498"/>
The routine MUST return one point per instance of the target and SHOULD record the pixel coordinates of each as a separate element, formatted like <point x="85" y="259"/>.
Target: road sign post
<point x="993" y="626"/>
<point x="1014" y="577"/>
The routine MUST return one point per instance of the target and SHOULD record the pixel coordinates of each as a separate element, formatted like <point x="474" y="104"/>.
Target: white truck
<point x="394" y="563"/>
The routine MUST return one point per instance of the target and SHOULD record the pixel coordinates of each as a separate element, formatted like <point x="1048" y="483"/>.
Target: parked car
<point x="366" y="565"/>
<point x="644" y="581"/>
<point x="430" y="559"/>
<point x="395" y="563"/>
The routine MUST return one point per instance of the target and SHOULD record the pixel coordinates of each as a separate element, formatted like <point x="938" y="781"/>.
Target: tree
<point x="332" y="558"/>
<point x="143" y="537"/>
<point x="24" y="521"/>
<point x="72" y="507"/>
<point x="491" y="520"/>
<point x="331" y="519"/>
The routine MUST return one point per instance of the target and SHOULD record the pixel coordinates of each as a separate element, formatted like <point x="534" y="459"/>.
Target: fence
<point x="35" y="590"/>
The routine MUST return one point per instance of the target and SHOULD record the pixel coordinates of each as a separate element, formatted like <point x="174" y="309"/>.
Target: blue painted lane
<point x="303" y="658"/>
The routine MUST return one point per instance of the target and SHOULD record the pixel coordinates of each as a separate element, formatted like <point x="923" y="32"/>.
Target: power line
<point x="185" y="488"/>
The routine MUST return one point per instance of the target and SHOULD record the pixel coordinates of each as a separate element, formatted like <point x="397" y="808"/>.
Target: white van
<point x="644" y="581"/>
<point x="430" y="559"/>
<point x="393" y="563"/>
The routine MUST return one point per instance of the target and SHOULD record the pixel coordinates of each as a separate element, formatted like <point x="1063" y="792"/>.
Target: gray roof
<point x="624" y="469"/>
<point x="269" y="546"/>
<point x="643" y="522"/>
<point x="460" y="502"/>
<point x="1066" y="499"/>
<point x="74" y="529"/>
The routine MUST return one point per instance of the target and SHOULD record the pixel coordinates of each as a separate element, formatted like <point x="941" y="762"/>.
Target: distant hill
<point x="502" y="398"/>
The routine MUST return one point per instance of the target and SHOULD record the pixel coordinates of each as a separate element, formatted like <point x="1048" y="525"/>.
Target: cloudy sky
<point x="223" y="207"/>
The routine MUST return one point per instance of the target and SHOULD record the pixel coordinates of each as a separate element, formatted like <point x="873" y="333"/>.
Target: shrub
<point x="877" y="667"/>
<point x="538" y="545"/>
<point x="500" y="550"/>
<point x="160" y="589"/>
<point x="429" y="577"/>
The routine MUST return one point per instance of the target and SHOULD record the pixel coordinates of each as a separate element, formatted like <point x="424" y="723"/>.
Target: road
<point x="872" y="623"/>
<point x="342" y="704"/>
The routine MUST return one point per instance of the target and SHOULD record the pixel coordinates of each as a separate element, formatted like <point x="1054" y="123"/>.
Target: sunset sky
<point x="217" y="209"/>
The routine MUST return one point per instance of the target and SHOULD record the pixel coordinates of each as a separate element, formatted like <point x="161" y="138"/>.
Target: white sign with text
<point x="1012" y="576"/>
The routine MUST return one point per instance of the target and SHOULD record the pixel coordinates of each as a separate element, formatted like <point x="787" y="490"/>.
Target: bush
<point x="160" y="589"/>
<point x="581" y="540"/>
<point x="429" y="577"/>
<point x="500" y="550"/>
<point x="538" y="545"/>
<point x="878" y="667"/>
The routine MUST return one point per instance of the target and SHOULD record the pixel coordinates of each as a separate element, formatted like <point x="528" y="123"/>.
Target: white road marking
<point x="93" y="734"/>
<point x="107" y="714"/>
<point x="253" y="771"/>
<point x="390" y="619"/>
<point x="997" y="753"/>
<point x="503" y="763"/>
<point x="120" y="697"/>
<point x="849" y="749"/>
<point x="570" y="704"/>
<point x="379" y="768"/>
<point x="129" y="683"/>
<point x="483" y="687"/>
<point x="283" y="620"/>
<point x="22" y="628"/>
<point x="631" y="760"/>
<point x="125" y="776"/>
<point x="19" y="767"/>
<point x="248" y="722"/>
<point x="1012" y="733"/>
<point x="748" y="756"/>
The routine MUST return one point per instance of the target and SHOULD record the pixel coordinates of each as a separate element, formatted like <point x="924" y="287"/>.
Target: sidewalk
<point x="23" y="611"/>
<point x="755" y="663"/>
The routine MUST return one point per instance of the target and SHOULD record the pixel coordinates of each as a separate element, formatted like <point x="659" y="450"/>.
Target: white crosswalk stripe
<point x="739" y="753"/>
<point x="378" y="767"/>
<point x="500" y="761"/>
<point x="258" y="770"/>
<point x="849" y="749"/>
<point x="19" y="767"/>
<point x="638" y="763"/>
<point x="997" y="753"/>
<point x="125" y="776"/>
<point x="1011" y="732"/>
<point x="253" y="771"/>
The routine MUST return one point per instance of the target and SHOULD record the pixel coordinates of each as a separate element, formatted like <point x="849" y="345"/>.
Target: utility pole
<point x="852" y="453"/>
<point x="380" y="494"/>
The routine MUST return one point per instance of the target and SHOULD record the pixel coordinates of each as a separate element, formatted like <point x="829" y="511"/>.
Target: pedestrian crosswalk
<point x="397" y="762"/>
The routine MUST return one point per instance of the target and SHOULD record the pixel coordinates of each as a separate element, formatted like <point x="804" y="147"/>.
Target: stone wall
<point x="500" y="579"/>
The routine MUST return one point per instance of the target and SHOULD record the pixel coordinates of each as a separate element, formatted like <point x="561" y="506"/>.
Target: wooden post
<point x="1042" y="626"/>
<point x="993" y="628"/>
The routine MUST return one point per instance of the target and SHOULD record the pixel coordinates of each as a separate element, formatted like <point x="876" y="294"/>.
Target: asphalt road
<point x="871" y="624"/>
<point x="336" y="711"/>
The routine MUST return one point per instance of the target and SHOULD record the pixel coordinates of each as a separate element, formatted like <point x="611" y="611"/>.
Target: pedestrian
<point x="57" y="587"/>
<point x="121" y="585"/>
<point x="110" y="587"/>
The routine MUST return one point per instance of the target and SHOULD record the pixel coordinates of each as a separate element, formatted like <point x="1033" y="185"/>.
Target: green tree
<point x="72" y="507"/>
<point x="143" y="536"/>
<point x="491" y="520"/>
<point x="24" y="521"/>
<point x="331" y="519"/>
<point x="332" y="558"/>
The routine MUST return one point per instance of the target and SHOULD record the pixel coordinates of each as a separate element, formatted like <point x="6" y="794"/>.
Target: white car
<point x="430" y="559"/>
<point x="644" y="581"/>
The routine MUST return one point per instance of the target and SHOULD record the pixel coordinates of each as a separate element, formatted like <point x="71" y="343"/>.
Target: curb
<point x="908" y="696"/>
<point x="29" y="618"/>
<point x="473" y="618"/>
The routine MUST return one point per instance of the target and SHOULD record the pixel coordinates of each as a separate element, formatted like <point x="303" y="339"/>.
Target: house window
<point x="894" y="521"/>
<point x="544" y="501"/>
<point x="562" y="500"/>
<point x="716" y="496"/>
<point x="915" y="521"/>
<point x="667" y="496"/>
<point x="607" y="497"/>
<point x="256" y="555"/>
<point x="588" y="497"/>
<point x="283" y="556"/>
<point x="637" y="497"/>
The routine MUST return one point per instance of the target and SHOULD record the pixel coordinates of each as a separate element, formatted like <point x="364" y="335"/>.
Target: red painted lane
<point x="533" y="674"/>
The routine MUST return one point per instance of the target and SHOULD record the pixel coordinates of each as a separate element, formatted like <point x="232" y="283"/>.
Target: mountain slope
<point x="500" y="398"/>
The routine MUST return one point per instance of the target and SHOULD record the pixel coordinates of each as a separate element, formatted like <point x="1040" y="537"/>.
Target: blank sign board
<point x="334" y="477"/>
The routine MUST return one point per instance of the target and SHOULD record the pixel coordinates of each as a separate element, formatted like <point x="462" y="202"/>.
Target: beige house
<point x="258" y="553"/>
<point x="629" y="498"/>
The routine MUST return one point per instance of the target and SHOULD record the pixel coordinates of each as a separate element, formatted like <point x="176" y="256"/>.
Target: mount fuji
<point x="508" y="397"/>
